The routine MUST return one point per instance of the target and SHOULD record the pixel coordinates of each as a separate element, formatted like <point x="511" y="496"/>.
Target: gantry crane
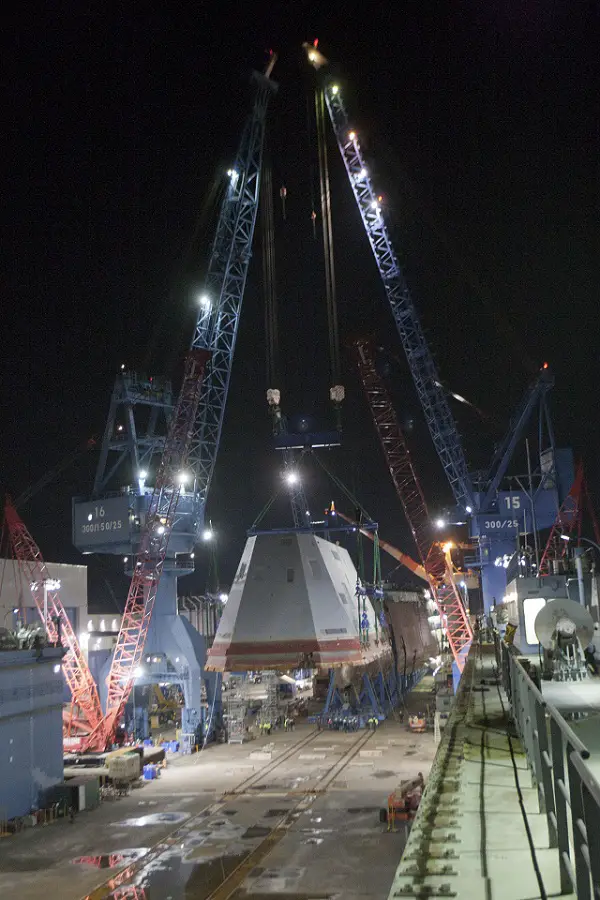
<point x="149" y="559"/>
<point x="195" y="427"/>
<point x="85" y="713"/>
<point x="435" y="559"/>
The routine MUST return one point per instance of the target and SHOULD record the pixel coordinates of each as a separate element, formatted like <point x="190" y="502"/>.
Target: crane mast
<point x="221" y="301"/>
<point x="436" y="409"/>
<point x="434" y="558"/>
<point x="86" y="711"/>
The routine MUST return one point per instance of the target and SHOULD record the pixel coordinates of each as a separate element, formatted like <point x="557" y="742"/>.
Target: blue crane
<point x="155" y="643"/>
<point x="495" y="517"/>
<point x="431" y="394"/>
<point x="221" y="301"/>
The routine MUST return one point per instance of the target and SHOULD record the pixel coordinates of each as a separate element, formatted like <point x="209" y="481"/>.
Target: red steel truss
<point x="568" y="518"/>
<point x="86" y="712"/>
<point x="435" y="561"/>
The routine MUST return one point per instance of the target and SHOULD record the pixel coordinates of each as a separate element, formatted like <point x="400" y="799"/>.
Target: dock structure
<point x="511" y="809"/>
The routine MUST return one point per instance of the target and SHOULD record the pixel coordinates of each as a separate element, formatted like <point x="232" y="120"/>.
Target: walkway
<point x="479" y="833"/>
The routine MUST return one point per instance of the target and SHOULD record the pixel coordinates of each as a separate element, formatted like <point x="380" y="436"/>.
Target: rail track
<point x="120" y="886"/>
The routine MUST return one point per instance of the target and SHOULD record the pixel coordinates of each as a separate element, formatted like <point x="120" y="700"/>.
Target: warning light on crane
<point x="363" y="173"/>
<point x="545" y="366"/>
<point x="335" y="89"/>
<point x="351" y="135"/>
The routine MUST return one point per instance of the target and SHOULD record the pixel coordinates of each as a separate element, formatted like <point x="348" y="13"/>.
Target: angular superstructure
<point x="293" y="602"/>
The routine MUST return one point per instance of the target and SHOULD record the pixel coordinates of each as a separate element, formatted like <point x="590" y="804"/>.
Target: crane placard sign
<point x="101" y="522"/>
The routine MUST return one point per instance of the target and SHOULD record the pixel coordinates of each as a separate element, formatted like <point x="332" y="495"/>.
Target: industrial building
<point x="17" y="604"/>
<point x="31" y="742"/>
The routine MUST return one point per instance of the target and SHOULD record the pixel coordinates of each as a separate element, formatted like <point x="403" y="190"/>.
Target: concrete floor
<point x="296" y="814"/>
<point x="479" y="833"/>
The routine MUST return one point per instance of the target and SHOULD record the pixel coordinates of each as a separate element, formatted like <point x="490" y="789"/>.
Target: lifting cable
<point x="311" y="168"/>
<point x="346" y="491"/>
<point x="268" y="269"/>
<point x="330" y="292"/>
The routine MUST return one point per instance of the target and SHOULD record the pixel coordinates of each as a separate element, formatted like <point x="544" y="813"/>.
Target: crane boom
<point x="435" y="560"/>
<point x="154" y="541"/>
<point x="86" y="711"/>
<point x="436" y="409"/>
<point x="221" y="301"/>
<point x="403" y="558"/>
<point x="567" y="519"/>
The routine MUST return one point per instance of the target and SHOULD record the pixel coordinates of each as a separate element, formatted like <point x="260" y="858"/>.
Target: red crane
<point x="435" y="559"/>
<point x="154" y="541"/>
<point x="85" y="713"/>
<point x="568" y="518"/>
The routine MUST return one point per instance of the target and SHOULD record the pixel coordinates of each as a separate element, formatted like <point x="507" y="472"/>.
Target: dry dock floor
<point x="295" y="815"/>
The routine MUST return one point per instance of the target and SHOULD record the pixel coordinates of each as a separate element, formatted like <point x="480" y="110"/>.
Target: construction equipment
<point x="85" y="712"/>
<point x="139" y="522"/>
<point x="568" y="518"/>
<point x="435" y="559"/>
<point x="149" y="559"/>
<point x="392" y="551"/>
<point x="495" y="516"/>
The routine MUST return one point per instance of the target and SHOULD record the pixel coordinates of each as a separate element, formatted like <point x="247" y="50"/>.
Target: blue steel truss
<point x="221" y="300"/>
<point x="535" y="394"/>
<point x="422" y="366"/>
<point x="125" y="442"/>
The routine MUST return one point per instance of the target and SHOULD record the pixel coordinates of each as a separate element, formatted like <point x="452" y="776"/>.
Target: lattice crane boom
<point x="567" y="519"/>
<point x="86" y="710"/>
<point x="154" y="541"/>
<point x="195" y="429"/>
<point x="221" y="300"/>
<point x="435" y="560"/>
<point x="436" y="409"/>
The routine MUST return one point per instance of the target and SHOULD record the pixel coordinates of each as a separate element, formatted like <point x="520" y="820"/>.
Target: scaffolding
<point x="270" y="706"/>
<point x="236" y="706"/>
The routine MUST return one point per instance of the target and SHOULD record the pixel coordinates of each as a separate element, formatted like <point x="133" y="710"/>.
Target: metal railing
<point x="568" y="793"/>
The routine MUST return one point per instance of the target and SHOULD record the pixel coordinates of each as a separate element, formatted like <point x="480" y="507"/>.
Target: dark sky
<point x="482" y="123"/>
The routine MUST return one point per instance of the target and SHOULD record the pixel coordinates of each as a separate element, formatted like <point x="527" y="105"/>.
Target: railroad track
<point x="116" y="886"/>
<point x="236" y="878"/>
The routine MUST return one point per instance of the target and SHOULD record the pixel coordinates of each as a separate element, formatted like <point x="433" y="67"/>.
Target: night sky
<point x="482" y="123"/>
